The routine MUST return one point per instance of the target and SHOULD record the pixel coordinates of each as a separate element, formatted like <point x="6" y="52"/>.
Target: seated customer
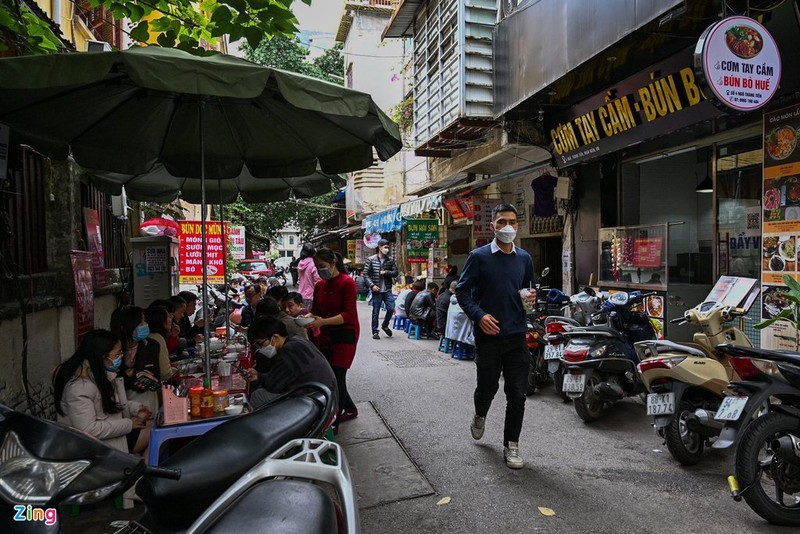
<point x="442" y="305"/>
<point x="291" y="361"/>
<point x="90" y="397"/>
<point x="294" y="305"/>
<point x="423" y="308"/>
<point x="269" y="308"/>
<point x="416" y="287"/>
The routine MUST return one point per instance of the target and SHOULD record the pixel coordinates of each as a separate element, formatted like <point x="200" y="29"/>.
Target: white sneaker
<point x="512" y="457"/>
<point x="477" y="427"/>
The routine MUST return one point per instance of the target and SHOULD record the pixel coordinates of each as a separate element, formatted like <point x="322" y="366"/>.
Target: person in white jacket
<point x="90" y="397"/>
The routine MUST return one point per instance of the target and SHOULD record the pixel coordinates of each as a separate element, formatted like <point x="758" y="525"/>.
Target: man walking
<point x="488" y="292"/>
<point x="379" y="271"/>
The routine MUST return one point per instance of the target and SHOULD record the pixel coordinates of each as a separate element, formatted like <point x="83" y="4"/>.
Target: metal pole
<point x="206" y="327"/>
<point x="224" y="260"/>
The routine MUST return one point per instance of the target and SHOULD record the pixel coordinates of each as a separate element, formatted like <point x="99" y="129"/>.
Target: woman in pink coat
<point x="307" y="275"/>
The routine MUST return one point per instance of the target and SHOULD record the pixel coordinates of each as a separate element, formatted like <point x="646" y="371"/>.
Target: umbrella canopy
<point x="126" y="111"/>
<point x="160" y="186"/>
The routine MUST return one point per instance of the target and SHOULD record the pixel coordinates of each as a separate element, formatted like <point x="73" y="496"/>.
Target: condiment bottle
<point x="207" y="400"/>
<point x="220" y="400"/>
<point x="195" y="393"/>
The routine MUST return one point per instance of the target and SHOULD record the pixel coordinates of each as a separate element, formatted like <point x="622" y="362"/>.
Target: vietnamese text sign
<point x="82" y="263"/>
<point x="236" y="243"/>
<point x="94" y="242"/>
<point x="155" y="259"/>
<point x="482" y="231"/>
<point x="421" y="235"/>
<point x="191" y="253"/>
<point x="351" y="250"/>
<point x="739" y="61"/>
<point x="647" y="252"/>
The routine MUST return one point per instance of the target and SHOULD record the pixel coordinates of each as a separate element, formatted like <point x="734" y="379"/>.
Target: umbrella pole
<point x="206" y="328"/>
<point x="224" y="259"/>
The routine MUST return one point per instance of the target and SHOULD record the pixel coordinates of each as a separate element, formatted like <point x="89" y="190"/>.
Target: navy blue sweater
<point x="490" y="283"/>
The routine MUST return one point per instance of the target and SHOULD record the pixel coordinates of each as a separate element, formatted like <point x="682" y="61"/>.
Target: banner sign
<point x="385" y="221"/>
<point x="421" y="235"/>
<point x="82" y="267"/>
<point x="236" y="243"/>
<point x="351" y="250"/>
<point x="482" y="231"/>
<point x="460" y="209"/>
<point x="738" y="61"/>
<point x="191" y="252"/>
<point x="781" y="220"/>
<point x="94" y="241"/>
<point x="647" y="252"/>
<point x="654" y="102"/>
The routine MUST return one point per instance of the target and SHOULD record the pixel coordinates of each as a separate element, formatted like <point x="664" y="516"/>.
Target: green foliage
<point x="181" y="24"/>
<point x="266" y="219"/>
<point x="791" y="314"/>
<point x="287" y="53"/>
<point x="403" y="115"/>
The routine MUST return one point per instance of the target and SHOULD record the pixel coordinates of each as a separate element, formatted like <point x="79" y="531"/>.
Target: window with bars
<point x="112" y="229"/>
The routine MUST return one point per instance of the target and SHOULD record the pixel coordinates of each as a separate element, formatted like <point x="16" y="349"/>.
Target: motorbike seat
<point x="665" y="345"/>
<point x="761" y="354"/>
<point x="213" y="462"/>
<point x="280" y="506"/>
<point x="587" y="330"/>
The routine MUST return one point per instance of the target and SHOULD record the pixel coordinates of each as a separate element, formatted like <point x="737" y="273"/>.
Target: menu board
<point x="781" y="223"/>
<point x="647" y="251"/>
<point x="192" y="261"/>
<point x="482" y="231"/>
<point x="421" y="235"/>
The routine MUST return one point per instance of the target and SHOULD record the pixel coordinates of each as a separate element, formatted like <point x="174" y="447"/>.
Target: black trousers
<point x="509" y="356"/>
<point x="346" y="404"/>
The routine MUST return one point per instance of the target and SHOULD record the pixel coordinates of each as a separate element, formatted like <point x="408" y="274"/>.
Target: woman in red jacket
<point x="335" y="311"/>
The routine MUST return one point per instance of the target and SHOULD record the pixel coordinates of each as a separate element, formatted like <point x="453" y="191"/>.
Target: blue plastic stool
<point x="399" y="323"/>
<point x="161" y="434"/>
<point x="462" y="351"/>
<point x="414" y="331"/>
<point x="407" y="325"/>
<point x="445" y="345"/>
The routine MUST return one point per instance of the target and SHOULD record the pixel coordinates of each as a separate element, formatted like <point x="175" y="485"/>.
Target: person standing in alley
<point x="488" y="292"/>
<point x="307" y="275"/>
<point x="379" y="272"/>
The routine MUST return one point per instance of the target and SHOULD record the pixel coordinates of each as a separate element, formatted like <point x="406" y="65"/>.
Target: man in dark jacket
<point x="379" y="271"/>
<point x="423" y="307"/>
<point x="442" y="305"/>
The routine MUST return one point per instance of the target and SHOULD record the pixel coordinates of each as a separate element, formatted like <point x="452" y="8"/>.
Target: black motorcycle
<point x="45" y="464"/>
<point x="765" y="414"/>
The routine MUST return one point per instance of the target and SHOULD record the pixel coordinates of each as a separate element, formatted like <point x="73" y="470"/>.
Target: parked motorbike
<point x="549" y="302"/>
<point x="280" y="274"/>
<point x="687" y="382"/>
<point x="601" y="361"/>
<point x="767" y="404"/>
<point x="208" y="484"/>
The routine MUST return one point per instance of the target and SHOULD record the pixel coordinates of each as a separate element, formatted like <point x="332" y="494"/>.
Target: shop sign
<point x="421" y="235"/>
<point x="84" y="293"/>
<point x="351" y="250"/>
<point x="482" y="231"/>
<point x="654" y="102"/>
<point x="191" y="252"/>
<point x="460" y="209"/>
<point x="95" y="244"/>
<point x="371" y="240"/>
<point x="781" y="218"/>
<point x="647" y="252"/>
<point x="385" y="221"/>
<point x="236" y="242"/>
<point x="738" y="61"/>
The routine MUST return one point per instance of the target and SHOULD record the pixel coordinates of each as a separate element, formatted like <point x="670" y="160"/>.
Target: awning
<point x="385" y="221"/>
<point x="421" y="205"/>
<point x="402" y="22"/>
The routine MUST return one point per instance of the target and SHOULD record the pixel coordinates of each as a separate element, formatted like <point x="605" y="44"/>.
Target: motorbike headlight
<point x="599" y="351"/>
<point x="26" y="479"/>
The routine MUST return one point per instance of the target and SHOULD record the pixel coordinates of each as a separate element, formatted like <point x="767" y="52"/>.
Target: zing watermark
<point x="28" y="513"/>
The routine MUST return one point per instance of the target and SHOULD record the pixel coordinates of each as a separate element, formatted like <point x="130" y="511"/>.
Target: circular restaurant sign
<point x="739" y="63"/>
<point x="371" y="240"/>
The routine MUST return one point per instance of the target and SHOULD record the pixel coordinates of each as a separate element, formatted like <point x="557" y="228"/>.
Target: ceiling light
<point x="706" y="186"/>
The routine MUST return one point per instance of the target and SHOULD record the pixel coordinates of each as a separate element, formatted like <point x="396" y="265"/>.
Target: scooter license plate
<point x="573" y="383"/>
<point x="661" y="403"/>
<point x="731" y="408"/>
<point x="553" y="352"/>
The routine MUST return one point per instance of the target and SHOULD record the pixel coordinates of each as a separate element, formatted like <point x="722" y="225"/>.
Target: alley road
<point x="614" y="475"/>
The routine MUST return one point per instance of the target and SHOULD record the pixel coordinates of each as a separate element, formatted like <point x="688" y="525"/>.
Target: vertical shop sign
<point x="236" y="242"/>
<point x="421" y="235"/>
<point x="191" y="252"/>
<point x="781" y="224"/>
<point x="482" y="231"/>
<point x="351" y="250"/>
<point x="82" y="263"/>
<point x="95" y="243"/>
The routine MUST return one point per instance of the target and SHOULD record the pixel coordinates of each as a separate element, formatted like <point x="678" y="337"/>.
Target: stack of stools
<point x="400" y="323"/>
<point x="462" y="351"/>
<point x="445" y="345"/>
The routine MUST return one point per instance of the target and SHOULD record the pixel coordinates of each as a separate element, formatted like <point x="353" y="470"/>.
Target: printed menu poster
<point x="191" y="252"/>
<point x="781" y="222"/>
<point x="421" y="235"/>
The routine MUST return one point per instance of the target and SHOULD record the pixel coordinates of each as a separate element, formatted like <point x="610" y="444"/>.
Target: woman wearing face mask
<point x="307" y="275"/>
<point x="335" y="312"/>
<point x="91" y="397"/>
<point x="159" y="321"/>
<point x="286" y="362"/>
<point x="140" y="368"/>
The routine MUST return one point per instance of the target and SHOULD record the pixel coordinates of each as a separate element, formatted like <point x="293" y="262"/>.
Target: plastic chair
<point x="414" y="331"/>
<point x="462" y="351"/>
<point x="161" y="434"/>
<point x="407" y="325"/>
<point x="399" y="323"/>
<point x="445" y="345"/>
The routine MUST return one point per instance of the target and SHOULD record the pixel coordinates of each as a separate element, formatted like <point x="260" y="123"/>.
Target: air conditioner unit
<point x="97" y="46"/>
<point x="119" y="205"/>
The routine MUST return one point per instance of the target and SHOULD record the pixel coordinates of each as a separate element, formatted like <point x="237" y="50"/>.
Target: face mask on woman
<point x="506" y="234"/>
<point x="325" y="273"/>
<point x="141" y="332"/>
<point x="115" y="365"/>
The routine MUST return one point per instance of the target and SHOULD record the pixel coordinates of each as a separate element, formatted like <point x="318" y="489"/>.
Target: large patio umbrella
<point x="200" y="117"/>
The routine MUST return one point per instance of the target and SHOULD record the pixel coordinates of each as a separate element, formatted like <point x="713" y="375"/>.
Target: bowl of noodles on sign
<point x="781" y="142"/>
<point x="788" y="249"/>
<point x="744" y="41"/>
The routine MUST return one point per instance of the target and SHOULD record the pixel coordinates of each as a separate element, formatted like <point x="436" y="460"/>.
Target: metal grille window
<point x="112" y="229"/>
<point x="24" y="195"/>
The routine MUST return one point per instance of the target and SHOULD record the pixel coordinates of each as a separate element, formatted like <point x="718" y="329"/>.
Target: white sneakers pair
<point x="510" y="453"/>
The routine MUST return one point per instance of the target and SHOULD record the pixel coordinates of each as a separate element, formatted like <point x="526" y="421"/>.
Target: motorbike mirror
<point x="589" y="291"/>
<point x="545" y="272"/>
